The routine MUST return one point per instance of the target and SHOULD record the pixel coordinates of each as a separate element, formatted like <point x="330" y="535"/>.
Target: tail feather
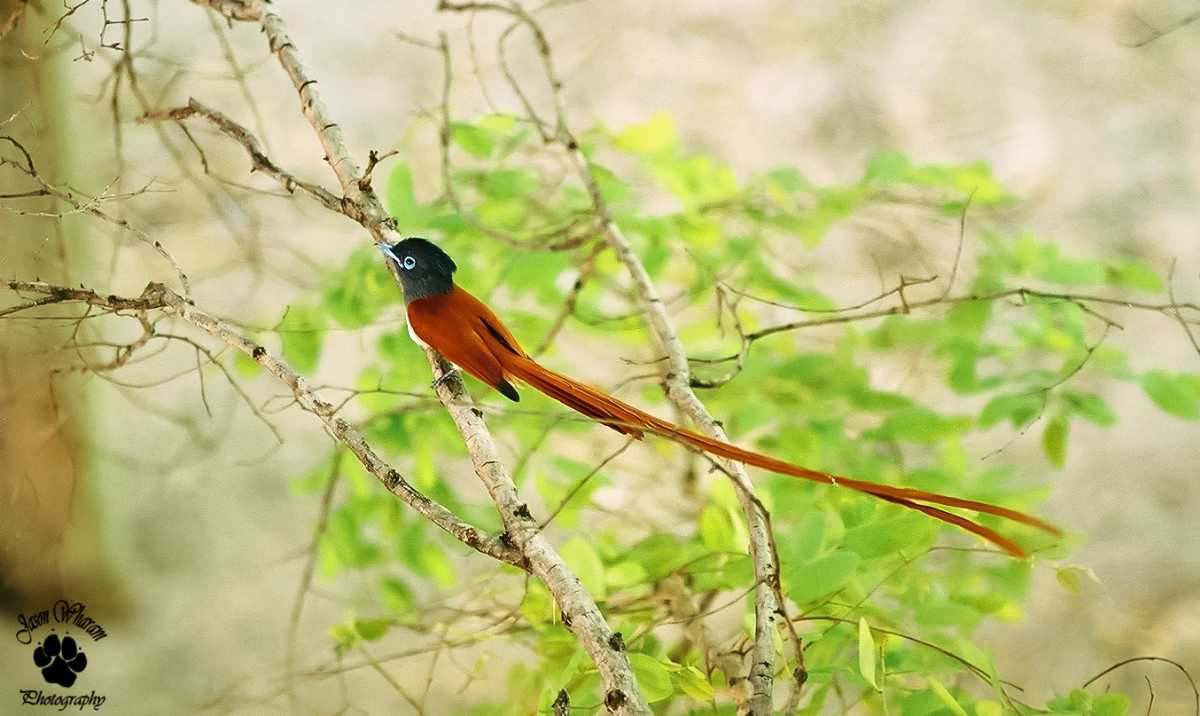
<point x="629" y="420"/>
<point x="618" y="415"/>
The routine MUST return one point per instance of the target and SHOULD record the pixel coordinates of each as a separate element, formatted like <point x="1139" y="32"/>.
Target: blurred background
<point x="178" y="529"/>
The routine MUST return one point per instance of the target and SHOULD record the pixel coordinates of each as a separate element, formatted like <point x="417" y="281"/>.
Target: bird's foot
<point x="444" y="378"/>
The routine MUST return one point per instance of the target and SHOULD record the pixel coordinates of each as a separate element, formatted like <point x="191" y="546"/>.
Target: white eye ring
<point x="409" y="262"/>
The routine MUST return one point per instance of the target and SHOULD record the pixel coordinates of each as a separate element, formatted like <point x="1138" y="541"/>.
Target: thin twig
<point x="962" y="234"/>
<point x="259" y="161"/>
<point x="584" y="481"/>
<point x="1175" y="308"/>
<point x="310" y="565"/>
<point x="1126" y="662"/>
<point x="91" y="207"/>
<point x="157" y="297"/>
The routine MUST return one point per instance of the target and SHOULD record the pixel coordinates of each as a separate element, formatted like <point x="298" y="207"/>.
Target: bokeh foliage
<point x="887" y="601"/>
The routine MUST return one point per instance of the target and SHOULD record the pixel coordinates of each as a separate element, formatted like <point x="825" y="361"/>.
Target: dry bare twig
<point x="259" y="160"/>
<point x="157" y="297"/>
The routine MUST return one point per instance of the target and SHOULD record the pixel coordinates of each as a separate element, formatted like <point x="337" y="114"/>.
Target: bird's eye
<point x="409" y="262"/>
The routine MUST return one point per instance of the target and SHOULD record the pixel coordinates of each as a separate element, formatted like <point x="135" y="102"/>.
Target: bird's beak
<point x="387" y="251"/>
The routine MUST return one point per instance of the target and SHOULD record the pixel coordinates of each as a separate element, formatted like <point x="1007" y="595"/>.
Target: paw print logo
<point x="60" y="660"/>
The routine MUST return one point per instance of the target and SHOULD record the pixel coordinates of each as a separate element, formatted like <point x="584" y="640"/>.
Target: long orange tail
<point x="629" y="420"/>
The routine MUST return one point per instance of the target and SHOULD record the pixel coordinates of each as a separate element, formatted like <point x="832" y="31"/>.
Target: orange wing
<point x="469" y="335"/>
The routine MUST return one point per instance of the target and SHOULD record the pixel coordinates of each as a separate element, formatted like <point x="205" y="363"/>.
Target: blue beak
<point x="387" y="251"/>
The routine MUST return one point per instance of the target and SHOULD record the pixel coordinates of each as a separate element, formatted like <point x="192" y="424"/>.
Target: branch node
<point x="614" y="699"/>
<point x="562" y="703"/>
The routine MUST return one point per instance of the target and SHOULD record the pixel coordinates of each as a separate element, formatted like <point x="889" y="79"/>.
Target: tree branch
<point x="258" y="157"/>
<point x="156" y="296"/>
<point x="580" y="613"/>
<point x="360" y="203"/>
<point x="1082" y="300"/>
<point x="677" y="382"/>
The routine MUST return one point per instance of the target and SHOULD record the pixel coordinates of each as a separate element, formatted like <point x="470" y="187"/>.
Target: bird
<point x="445" y="317"/>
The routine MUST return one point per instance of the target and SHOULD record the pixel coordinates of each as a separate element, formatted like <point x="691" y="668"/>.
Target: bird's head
<point x="423" y="269"/>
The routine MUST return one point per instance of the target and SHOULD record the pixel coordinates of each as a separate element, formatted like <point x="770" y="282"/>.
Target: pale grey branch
<point x="677" y="383"/>
<point x="360" y="203"/>
<point x="156" y="297"/>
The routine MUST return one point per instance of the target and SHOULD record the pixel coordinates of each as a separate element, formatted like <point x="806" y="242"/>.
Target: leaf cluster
<point x="887" y="602"/>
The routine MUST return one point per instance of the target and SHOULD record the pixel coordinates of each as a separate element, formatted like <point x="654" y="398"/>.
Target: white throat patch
<point x="413" y="335"/>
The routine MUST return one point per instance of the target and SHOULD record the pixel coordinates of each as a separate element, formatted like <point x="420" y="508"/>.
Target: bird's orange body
<point x="467" y="333"/>
<point x="470" y="335"/>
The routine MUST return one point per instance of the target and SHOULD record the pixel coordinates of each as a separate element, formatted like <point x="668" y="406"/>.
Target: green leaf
<point x="1072" y="577"/>
<point x="1019" y="409"/>
<point x="655" y="136"/>
<point x="372" y="629"/>
<point x="717" y="571"/>
<point x="397" y="595"/>
<point x="653" y="676"/>
<point x="498" y="123"/>
<point x="625" y="574"/>
<point x="1110" y="704"/>
<point x="1176" y="393"/>
<point x="816" y="578"/>
<point x="302" y="332"/>
<point x="476" y="141"/>
<point x="807" y="536"/>
<point x="357" y="293"/>
<point x="344" y="637"/>
<point x="1078" y="701"/>
<point x="660" y="554"/>
<point x="1089" y="406"/>
<point x="833" y="205"/>
<point x="988" y="708"/>
<point x="401" y="199"/>
<point x="888" y="168"/>
<point x="946" y="697"/>
<point x="1072" y="272"/>
<point x="882" y="537"/>
<point x="509" y="183"/>
<point x="970" y="317"/>
<point x="920" y="425"/>
<point x="245" y="365"/>
<point x="1113" y="361"/>
<point x="345" y="540"/>
<point x="581" y="557"/>
<point x="695" y="180"/>
<point x="716" y="529"/>
<point x="611" y="186"/>
<point x="723" y="494"/>
<point x="694" y="683"/>
<point x="866" y="653"/>
<point x="1135" y="275"/>
<point x="1054" y="440"/>
<point x="314" y="480"/>
<point x="431" y="561"/>
<point x="506" y="213"/>
<point x="538" y="606"/>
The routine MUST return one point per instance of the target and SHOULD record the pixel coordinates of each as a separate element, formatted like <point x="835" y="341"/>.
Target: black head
<point x="423" y="269"/>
